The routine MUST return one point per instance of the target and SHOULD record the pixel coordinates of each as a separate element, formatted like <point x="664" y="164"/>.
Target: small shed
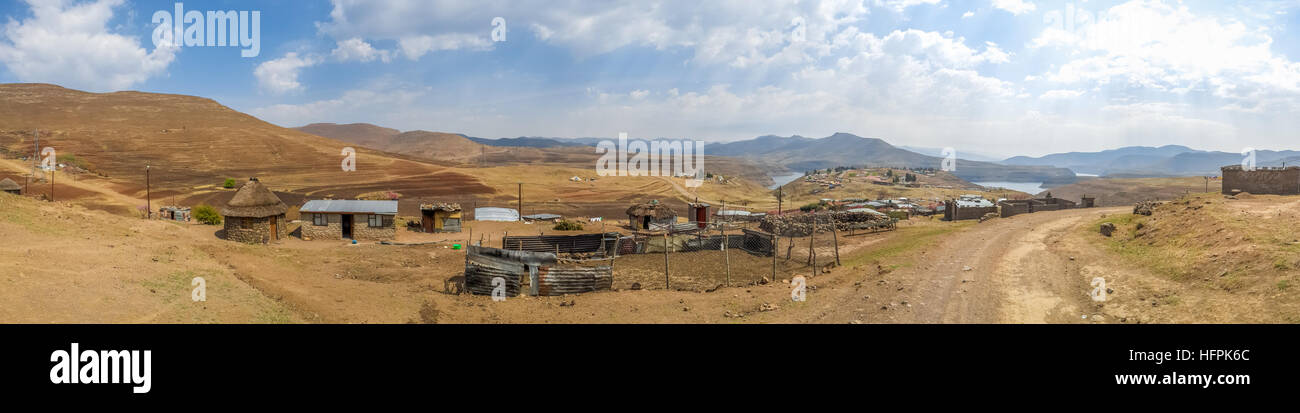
<point x="542" y="217"/>
<point x="9" y="186"/>
<point x="174" y="213"/>
<point x="700" y="213"/>
<point x="651" y="216"/>
<point x="254" y="214"/>
<point x="349" y="219"/>
<point x="440" y="217"/>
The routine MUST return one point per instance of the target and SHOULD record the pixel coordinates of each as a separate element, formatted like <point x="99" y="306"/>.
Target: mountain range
<point x="1146" y="161"/>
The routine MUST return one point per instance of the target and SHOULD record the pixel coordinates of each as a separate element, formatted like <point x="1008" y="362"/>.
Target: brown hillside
<point x="193" y="144"/>
<point x="363" y="134"/>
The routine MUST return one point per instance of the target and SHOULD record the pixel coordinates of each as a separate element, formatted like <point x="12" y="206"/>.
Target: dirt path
<point x="1002" y="271"/>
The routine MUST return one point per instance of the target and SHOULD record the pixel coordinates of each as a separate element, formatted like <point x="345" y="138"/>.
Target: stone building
<point x="1262" y="180"/>
<point x="349" y="219"/>
<point x="652" y="216"/>
<point x="440" y="217"/>
<point x="9" y="186"/>
<point x="967" y="207"/>
<point x="254" y="215"/>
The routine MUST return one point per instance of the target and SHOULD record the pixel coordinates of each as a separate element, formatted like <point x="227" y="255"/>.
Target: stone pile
<point x="800" y="225"/>
<point x="1144" y="208"/>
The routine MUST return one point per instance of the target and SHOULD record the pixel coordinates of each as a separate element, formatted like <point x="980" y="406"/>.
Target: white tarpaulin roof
<point x="495" y="214"/>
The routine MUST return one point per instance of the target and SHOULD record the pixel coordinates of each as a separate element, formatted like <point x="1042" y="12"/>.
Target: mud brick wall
<point x="253" y="230"/>
<point x="1273" y="181"/>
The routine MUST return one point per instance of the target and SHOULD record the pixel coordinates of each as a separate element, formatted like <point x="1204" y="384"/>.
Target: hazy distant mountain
<point x="962" y="154"/>
<point x="1098" y="162"/>
<point x="1145" y="161"/>
<point x="842" y="149"/>
<point x="527" y="142"/>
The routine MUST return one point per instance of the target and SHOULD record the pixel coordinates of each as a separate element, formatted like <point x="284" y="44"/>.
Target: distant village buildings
<point x="254" y="215"/>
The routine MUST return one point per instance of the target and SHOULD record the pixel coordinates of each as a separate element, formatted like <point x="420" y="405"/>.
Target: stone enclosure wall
<point x="253" y="230"/>
<point x="1272" y="181"/>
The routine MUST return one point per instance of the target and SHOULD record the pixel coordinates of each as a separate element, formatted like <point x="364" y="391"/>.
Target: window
<point x="320" y="220"/>
<point x="376" y="221"/>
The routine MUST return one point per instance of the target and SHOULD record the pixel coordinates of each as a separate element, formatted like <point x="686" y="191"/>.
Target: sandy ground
<point x="65" y="263"/>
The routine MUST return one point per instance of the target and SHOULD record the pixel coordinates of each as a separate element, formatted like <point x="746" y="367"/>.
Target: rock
<point x="1144" y="208"/>
<point x="1107" y="229"/>
<point x="636" y="286"/>
<point x="966" y="268"/>
<point x="764" y="281"/>
<point x="768" y="307"/>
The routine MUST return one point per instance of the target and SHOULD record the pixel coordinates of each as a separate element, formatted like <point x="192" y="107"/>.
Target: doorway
<point x="347" y="226"/>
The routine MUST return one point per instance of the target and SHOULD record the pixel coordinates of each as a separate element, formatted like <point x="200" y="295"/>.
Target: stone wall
<point x="333" y="230"/>
<point x="1013" y="208"/>
<point x="1274" y="181"/>
<point x="253" y="230"/>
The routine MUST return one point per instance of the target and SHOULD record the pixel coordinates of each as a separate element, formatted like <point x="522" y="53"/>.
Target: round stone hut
<point x="255" y="215"/>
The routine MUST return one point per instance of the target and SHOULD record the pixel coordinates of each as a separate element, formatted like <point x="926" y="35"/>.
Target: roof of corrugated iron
<point x="349" y="205"/>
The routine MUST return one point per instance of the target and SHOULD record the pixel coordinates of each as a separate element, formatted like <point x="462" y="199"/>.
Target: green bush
<point x="568" y="226"/>
<point x="230" y="183"/>
<point x="206" y="214"/>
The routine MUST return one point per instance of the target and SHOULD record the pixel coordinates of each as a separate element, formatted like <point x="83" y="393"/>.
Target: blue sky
<point x="991" y="76"/>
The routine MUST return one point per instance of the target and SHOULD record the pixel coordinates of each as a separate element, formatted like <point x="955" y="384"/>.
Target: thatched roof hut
<point x="653" y="209"/>
<point x="253" y="200"/>
<point x="8" y="185"/>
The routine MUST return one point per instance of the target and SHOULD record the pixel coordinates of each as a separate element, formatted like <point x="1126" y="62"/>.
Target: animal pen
<point x="543" y="273"/>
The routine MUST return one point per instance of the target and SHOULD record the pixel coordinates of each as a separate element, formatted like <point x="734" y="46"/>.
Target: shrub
<point x="207" y="215"/>
<point x="230" y="183"/>
<point x="568" y="226"/>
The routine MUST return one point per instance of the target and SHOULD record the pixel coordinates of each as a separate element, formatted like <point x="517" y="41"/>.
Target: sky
<point x="999" y="77"/>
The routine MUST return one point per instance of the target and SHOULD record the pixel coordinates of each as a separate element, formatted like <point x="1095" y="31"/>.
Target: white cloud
<point x="968" y="15"/>
<point x="739" y="34"/>
<point x="414" y="47"/>
<point x="902" y="5"/>
<point x="280" y="76"/>
<point x="71" y="45"/>
<point x="1153" y="46"/>
<point x="1061" y="94"/>
<point x="1016" y="7"/>
<point x="355" y="49"/>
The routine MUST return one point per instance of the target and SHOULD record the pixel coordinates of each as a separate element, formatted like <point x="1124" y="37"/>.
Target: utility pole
<point x="521" y="202"/>
<point x="148" y="196"/>
<point x="780" y="195"/>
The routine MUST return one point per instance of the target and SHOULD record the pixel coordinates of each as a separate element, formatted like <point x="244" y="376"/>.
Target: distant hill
<point x="363" y="134"/>
<point x="963" y="154"/>
<point x="1097" y="163"/>
<point x="528" y="142"/>
<point x="192" y="144"/>
<point x="843" y="149"/>
<point x="1145" y="161"/>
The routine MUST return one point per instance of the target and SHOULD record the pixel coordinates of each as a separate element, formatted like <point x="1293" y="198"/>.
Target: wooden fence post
<point x="667" y="283"/>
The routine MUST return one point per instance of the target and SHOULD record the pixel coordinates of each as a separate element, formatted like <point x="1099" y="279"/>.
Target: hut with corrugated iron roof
<point x="254" y="215"/>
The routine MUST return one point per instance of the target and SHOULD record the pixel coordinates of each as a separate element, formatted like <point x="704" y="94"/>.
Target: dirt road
<point x="1012" y="270"/>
